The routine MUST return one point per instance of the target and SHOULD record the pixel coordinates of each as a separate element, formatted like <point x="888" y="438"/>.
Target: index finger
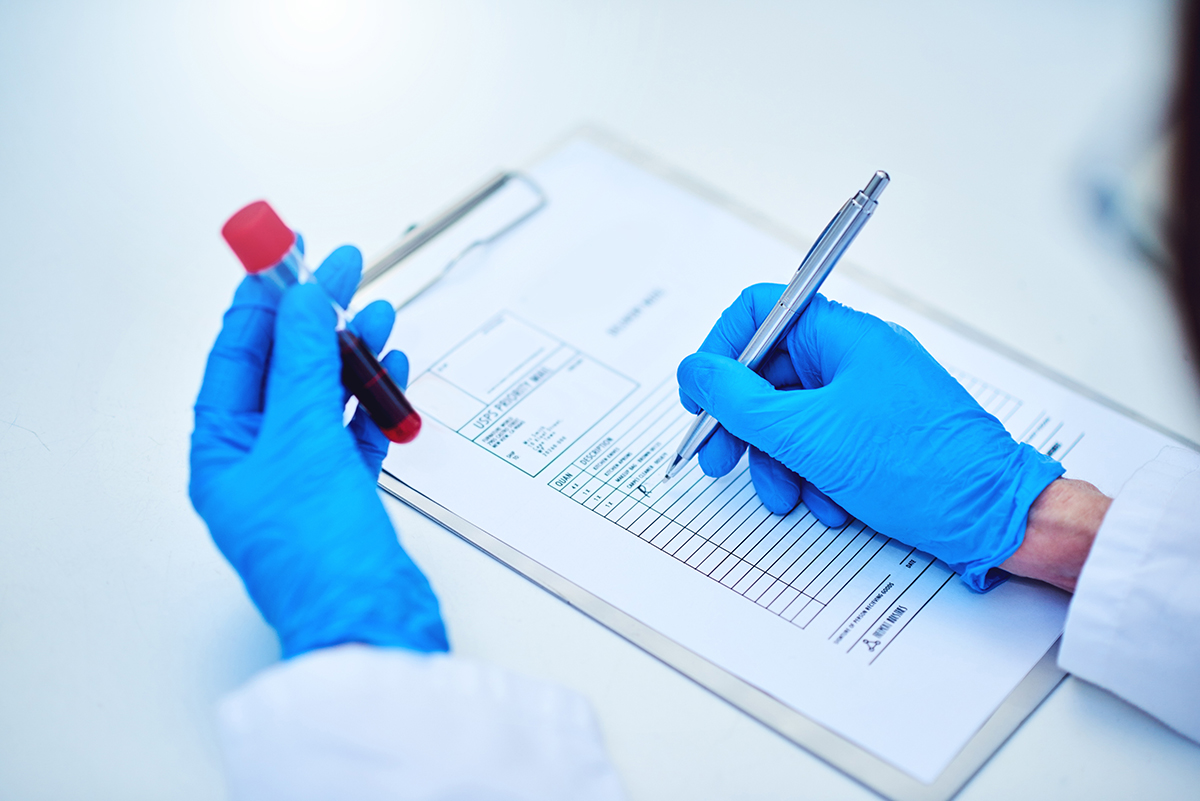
<point x="736" y="326"/>
<point x="339" y="274"/>
<point x="237" y="364"/>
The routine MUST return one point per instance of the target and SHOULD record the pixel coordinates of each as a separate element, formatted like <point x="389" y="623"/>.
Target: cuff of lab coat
<point x="1114" y="634"/>
<point x="363" y="722"/>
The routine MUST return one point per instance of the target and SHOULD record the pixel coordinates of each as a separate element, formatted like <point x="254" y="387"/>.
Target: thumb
<point x="304" y="381"/>
<point x="746" y="404"/>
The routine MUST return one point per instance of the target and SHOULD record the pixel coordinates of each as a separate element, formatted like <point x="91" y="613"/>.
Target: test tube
<point x="267" y="248"/>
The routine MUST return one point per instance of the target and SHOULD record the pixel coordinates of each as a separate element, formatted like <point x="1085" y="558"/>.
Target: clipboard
<point x="502" y="204"/>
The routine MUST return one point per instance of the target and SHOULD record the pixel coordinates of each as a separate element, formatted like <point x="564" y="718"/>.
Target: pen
<point x="811" y="273"/>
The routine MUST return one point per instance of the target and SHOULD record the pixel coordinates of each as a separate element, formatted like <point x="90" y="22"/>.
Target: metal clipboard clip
<point x="483" y="216"/>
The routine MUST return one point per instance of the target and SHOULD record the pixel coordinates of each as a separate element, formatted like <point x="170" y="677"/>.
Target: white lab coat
<point x="374" y="723"/>
<point x="1134" y="620"/>
<point x="378" y="723"/>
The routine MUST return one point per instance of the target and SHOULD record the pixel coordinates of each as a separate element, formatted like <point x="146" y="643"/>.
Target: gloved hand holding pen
<point x="287" y="491"/>
<point x="850" y="412"/>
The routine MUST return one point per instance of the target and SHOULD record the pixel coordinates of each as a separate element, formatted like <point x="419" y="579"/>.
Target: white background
<point x="129" y="132"/>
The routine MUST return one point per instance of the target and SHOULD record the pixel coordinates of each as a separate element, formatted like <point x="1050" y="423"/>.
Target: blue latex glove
<point x="287" y="491"/>
<point x="858" y="408"/>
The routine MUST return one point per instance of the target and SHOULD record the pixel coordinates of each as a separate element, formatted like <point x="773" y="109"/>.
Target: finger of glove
<point x="777" y="369"/>
<point x="823" y="507"/>
<point x="340" y="273"/>
<point x="748" y="406"/>
<point x="736" y="327"/>
<point x="374" y="324"/>
<point x="720" y="453"/>
<point x="827" y="335"/>
<point x="372" y="444"/>
<point x="237" y="364"/>
<point x="304" y="387"/>
<point x="396" y="363"/>
<point x="778" y="487"/>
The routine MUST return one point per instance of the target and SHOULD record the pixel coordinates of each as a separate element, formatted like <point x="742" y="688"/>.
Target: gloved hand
<point x="287" y="491"/>
<point x="858" y="408"/>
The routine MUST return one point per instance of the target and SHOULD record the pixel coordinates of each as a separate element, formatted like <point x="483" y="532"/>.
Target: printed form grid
<point x="793" y="565"/>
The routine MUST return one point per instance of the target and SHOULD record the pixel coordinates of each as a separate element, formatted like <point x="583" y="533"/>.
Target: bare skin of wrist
<point x="1062" y="524"/>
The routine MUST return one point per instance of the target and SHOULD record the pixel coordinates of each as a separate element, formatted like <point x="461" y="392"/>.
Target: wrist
<point x="355" y="585"/>
<point x="1059" y="531"/>
<point x="399" y="610"/>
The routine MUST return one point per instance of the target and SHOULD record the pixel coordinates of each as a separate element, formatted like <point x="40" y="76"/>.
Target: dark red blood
<point x="376" y="391"/>
<point x="407" y="430"/>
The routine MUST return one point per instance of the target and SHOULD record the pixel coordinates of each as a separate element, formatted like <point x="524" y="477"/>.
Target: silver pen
<point x="821" y="258"/>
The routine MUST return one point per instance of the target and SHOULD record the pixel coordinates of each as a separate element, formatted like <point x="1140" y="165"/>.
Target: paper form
<point x="544" y="366"/>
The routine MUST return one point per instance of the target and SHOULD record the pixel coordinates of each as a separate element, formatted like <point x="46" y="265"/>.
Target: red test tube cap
<point x="258" y="237"/>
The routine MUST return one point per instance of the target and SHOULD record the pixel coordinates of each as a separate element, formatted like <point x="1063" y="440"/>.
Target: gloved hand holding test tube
<point x="268" y="248"/>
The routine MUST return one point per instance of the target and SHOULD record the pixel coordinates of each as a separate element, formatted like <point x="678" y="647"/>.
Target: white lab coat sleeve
<point x="379" y="723"/>
<point x="1134" y="623"/>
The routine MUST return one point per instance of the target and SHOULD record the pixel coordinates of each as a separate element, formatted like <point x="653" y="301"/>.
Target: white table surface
<point x="128" y="132"/>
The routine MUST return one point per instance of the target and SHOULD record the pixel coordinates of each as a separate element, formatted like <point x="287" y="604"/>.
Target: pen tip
<point x="667" y="476"/>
